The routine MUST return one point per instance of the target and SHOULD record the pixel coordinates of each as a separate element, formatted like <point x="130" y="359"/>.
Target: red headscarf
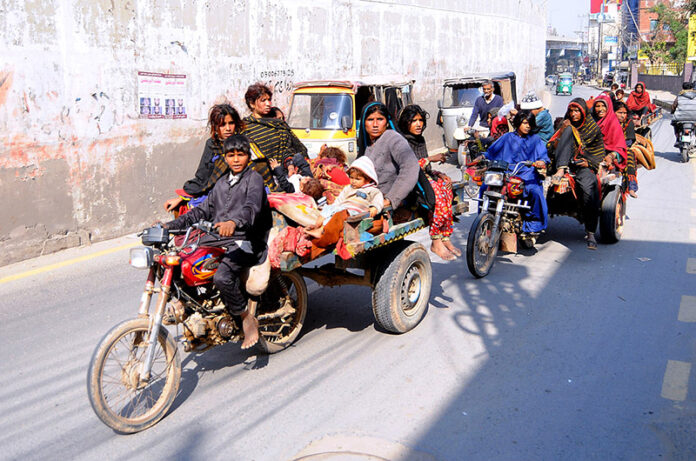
<point x="636" y="102"/>
<point x="614" y="140"/>
<point x="496" y="125"/>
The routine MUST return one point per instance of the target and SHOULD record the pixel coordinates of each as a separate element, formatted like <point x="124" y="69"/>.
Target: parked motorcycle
<point x="687" y="140"/>
<point x="500" y="213"/>
<point x="134" y="373"/>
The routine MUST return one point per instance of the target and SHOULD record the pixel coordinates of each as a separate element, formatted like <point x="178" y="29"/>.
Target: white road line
<point x="687" y="309"/>
<point x="691" y="266"/>
<point x="675" y="384"/>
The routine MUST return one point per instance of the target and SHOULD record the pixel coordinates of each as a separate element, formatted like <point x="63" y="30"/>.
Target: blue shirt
<point x="481" y="108"/>
<point x="544" y="125"/>
<point x="513" y="148"/>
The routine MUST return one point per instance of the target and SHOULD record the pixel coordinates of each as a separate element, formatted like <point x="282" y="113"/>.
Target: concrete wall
<point x="78" y="165"/>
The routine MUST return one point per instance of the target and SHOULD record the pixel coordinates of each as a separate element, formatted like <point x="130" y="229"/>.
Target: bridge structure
<point x="564" y="54"/>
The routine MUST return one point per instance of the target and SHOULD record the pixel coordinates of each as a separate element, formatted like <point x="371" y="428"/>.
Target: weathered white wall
<point x="76" y="162"/>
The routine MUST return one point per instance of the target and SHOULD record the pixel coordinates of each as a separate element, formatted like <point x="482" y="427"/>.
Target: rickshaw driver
<point x="484" y="104"/>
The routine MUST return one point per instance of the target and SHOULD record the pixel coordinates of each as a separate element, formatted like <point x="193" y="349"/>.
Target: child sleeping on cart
<point x="360" y="196"/>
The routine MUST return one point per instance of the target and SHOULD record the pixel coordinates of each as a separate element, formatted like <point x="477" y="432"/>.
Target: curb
<point x="664" y="104"/>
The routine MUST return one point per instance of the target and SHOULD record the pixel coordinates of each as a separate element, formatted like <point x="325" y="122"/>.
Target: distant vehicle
<point x="551" y="80"/>
<point x="457" y="104"/>
<point x="565" y="84"/>
<point x="608" y="79"/>
<point x="328" y="111"/>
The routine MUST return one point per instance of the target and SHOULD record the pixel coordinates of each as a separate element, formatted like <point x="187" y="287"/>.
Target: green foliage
<point x="672" y="26"/>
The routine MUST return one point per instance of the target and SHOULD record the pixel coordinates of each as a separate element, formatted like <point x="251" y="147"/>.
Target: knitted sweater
<point x="395" y="164"/>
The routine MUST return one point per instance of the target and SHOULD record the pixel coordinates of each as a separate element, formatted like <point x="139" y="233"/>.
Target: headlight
<point x="142" y="257"/>
<point x="493" y="179"/>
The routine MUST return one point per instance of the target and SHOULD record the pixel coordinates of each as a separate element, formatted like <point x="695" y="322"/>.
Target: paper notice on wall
<point x="161" y="95"/>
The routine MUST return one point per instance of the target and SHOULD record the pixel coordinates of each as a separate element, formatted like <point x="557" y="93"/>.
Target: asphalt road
<point x="560" y="353"/>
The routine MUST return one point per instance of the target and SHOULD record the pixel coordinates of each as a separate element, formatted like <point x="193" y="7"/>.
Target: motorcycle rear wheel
<point x="684" y="153"/>
<point x="117" y="396"/>
<point x="480" y="250"/>
<point x="279" y="333"/>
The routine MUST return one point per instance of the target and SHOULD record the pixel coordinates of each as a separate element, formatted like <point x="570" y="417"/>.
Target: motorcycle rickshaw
<point x="564" y="85"/>
<point x="328" y="111"/>
<point x="457" y="104"/>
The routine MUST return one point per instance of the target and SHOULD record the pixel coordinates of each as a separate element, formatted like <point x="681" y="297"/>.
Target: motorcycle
<point x="500" y="213"/>
<point x="135" y="370"/>
<point x="562" y="201"/>
<point x="687" y="140"/>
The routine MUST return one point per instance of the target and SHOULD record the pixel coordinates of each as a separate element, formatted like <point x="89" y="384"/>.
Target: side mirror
<point x="439" y="103"/>
<point x="346" y="123"/>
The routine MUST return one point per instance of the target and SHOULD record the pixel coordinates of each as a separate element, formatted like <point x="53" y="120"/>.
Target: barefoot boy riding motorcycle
<point x="239" y="208"/>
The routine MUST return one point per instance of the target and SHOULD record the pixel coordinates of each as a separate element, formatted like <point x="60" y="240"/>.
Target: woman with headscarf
<point x="393" y="158"/>
<point x="521" y="146"/>
<point x="629" y="132"/>
<point x="412" y="123"/>
<point x="579" y="139"/>
<point x="638" y="101"/>
<point x="614" y="140"/>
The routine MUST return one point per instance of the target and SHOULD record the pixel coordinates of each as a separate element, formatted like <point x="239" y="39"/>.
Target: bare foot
<point x="633" y="194"/>
<point x="251" y="329"/>
<point x="440" y="249"/>
<point x="452" y="249"/>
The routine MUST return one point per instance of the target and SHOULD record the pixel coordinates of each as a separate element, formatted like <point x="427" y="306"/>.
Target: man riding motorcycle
<point x="684" y="109"/>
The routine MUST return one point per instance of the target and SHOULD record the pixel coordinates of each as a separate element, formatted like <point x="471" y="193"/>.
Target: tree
<point x="668" y="43"/>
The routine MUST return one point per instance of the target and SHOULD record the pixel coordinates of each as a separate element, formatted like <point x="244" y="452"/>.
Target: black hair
<point x="523" y="115"/>
<point x="407" y="115"/>
<point x="237" y="143"/>
<point x="620" y="105"/>
<point x="371" y="108"/>
<point x="255" y="91"/>
<point x="687" y="86"/>
<point x="217" y="115"/>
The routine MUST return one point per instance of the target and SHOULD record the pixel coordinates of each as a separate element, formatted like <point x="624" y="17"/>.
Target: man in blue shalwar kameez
<point x="520" y="146"/>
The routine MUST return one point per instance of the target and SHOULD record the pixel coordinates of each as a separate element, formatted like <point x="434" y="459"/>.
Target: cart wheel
<point x="402" y="290"/>
<point x="611" y="219"/>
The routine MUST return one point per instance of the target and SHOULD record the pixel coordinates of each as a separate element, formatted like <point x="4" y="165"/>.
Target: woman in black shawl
<point x="579" y="147"/>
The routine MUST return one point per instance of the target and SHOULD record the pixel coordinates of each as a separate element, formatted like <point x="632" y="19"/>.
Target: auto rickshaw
<point x="457" y="104"/>
<point x="328" y="111"/>
<point x="565" y="84"/>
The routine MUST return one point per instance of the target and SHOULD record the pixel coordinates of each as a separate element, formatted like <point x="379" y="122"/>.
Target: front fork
<point x="495" y="232"/>
<point x="156" y="321"/>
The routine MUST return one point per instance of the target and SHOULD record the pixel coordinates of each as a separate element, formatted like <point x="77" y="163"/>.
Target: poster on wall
<point x="161" y="95"/>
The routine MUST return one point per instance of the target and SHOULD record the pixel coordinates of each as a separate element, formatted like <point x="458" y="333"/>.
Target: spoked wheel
<point x="282" y="311"/>
<point x="611" y="219"/>
<point x="402" y="290"/>
<point x="120" y="397"/>
<point x="481" y="247"/>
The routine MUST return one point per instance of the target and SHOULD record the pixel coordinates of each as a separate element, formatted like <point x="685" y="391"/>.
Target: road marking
<point x="675" y="384"/>
<point x="691" y="266"/>
<point x="50" y="267"/>
<point x="687" y="309"/>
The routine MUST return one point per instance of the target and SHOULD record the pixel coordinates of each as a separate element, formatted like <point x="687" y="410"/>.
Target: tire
<point x="279" y="333"/>
<point x="612" y="216"/>
<point x="481" y="253"/>
<point x="461" y="155"/>
<point x="165" y="377"/>
<point x="684" y="153"/>
<point x="401" y="292"/>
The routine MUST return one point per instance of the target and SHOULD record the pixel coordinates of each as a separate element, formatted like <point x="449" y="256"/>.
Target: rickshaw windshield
<point x="321" y="111"/>
<point x="565" y="79"/>
<point x="464" y="95"/>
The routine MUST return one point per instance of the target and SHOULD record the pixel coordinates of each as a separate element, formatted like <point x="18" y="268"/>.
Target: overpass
<point x="564" y="54"/>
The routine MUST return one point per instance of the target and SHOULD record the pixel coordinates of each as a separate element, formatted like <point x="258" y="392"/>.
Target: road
<point x="560" y="353"/>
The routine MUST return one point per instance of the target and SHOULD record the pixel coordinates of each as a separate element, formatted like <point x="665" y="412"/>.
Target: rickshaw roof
<point x="478" y="78"/>
<point x="565" y="74"/>
<point x="357" y="82"/>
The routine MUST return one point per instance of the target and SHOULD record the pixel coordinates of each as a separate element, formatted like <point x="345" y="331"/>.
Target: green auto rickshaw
<point x="564" y="85"/>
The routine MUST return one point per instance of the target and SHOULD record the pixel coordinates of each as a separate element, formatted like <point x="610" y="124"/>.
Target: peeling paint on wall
<point x="77" y="159"/>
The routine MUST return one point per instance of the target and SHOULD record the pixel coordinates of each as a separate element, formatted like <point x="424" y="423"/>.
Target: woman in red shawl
<point x="638" y="101"/>
<point x="614" y="140"/>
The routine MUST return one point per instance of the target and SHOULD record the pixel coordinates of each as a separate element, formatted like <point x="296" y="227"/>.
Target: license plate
<point x="686" y="138"/>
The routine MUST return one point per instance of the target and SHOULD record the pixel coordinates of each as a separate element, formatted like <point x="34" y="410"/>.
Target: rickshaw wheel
<point x="285" y="297"/>
<point x="611" y="219"/>
<point x="401" y="292"/>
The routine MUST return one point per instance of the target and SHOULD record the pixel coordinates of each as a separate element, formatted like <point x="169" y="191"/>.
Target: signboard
<point x="161" y="95"/>
<point x="691" y="50"/>
<point x="609" y="40"/>
<point x="642" y="55"/>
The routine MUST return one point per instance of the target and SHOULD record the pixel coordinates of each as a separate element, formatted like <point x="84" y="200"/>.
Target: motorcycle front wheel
<point x="282" y="311"/>
<point x="118" y="396"/>
<point x="481" y="249"/>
